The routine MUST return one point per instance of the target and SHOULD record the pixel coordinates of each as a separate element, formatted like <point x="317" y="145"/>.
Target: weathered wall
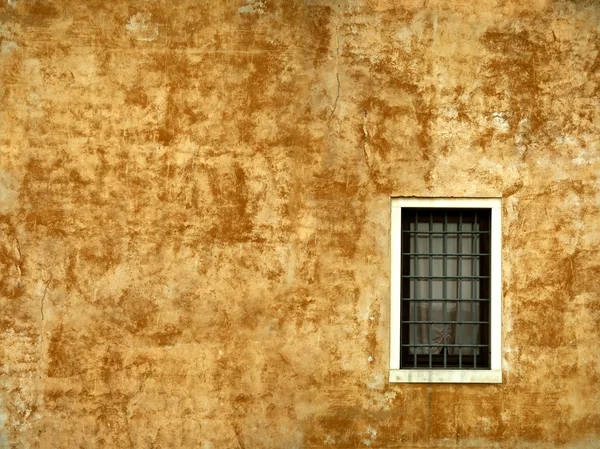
<point x="194" y="216"/>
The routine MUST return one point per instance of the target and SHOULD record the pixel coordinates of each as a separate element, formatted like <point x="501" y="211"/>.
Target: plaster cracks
<point x="141" y="28"/>
<point x="366" y="151"/>
<point x="44" y="297"/>
<point x="337" y="96"/>
<point x="434" y="52"/>
<point x="499" y="122"/>
<point x="337" y="66"/>
<point x="19" y="261"/>
<point x="43" y="327"/>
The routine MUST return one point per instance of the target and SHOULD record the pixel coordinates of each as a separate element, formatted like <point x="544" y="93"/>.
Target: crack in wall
<point x="366" y="136"/>
<point x="337" y="75"/>
<point x="44" y="297"/>
<point x="337" y="65"/>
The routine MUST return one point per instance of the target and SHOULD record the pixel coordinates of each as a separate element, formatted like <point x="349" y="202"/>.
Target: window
<point x="446" y="290"/>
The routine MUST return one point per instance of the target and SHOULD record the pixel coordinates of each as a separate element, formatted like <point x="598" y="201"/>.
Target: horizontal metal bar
<point x="445" y="232"/>
<point x="445" y="277"/>
<point x="423" y="374"/>
<point x="446" y="254"/>
<point x="446" y="299"/>
<point x="445" y="322"/>
<point x="444" y="346"/>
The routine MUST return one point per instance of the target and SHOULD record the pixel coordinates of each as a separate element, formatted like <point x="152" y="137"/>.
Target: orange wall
<point x="194" y="218"/>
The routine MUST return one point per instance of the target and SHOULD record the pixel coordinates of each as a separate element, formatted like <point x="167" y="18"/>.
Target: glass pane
<point x="445" y="266"/>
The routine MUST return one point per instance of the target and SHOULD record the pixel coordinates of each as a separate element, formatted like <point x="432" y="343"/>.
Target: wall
<point x="194" y="216"/>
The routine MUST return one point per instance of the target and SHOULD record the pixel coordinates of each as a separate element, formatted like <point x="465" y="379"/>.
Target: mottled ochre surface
<point x="194" y="218"/>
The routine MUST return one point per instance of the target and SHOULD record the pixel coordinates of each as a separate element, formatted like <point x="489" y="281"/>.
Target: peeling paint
<point x="252" y="7"/>
<point x="8" y="47"/>
<point x="500" y="123"/>
<point x="141" y="28"/>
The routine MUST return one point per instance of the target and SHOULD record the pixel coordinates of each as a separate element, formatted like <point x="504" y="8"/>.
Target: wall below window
<point x="194" y="218"/>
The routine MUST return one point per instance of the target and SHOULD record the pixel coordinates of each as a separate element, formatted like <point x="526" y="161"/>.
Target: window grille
<point x="445" y="288"/>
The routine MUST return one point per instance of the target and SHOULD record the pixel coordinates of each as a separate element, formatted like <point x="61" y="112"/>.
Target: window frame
<point x="436" y="375"/>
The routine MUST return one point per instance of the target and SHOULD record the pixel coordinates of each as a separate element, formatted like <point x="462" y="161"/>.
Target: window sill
<point x="445" y="376"/>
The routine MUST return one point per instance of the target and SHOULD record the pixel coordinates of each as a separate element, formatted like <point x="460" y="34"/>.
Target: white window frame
<point x="492" y="375"/>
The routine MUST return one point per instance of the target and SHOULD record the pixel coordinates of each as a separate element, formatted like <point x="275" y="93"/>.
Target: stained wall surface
<point x="194" y="218"/>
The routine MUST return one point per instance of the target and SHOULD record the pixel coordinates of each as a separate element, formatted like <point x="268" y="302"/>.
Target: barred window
<point x="446" y="311"/>
<point x="445" y="288"/>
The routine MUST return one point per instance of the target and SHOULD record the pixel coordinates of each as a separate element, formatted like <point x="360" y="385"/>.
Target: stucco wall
<point x="194" y="218"/>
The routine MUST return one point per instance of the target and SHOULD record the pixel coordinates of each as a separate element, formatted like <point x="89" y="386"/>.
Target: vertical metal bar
<point x="430" y="287"/>
<point x="416" y="288"/>
<point x="459" y="292"/>
<point x="445" y="285"/>
<point x="474" y="287"/>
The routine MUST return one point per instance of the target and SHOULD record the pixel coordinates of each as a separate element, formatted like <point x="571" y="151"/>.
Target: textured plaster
<point x="194" y="218"/>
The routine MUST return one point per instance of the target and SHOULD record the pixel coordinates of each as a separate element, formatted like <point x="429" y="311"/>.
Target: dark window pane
<point x="445" y="288"/>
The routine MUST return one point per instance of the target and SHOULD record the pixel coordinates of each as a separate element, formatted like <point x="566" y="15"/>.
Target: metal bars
<point x="459" y="294"/>
<point x="416" y="271"/>
<point x="474" y="289"/>
<point x="446" y="277"/>
<point x="445" y="288"/>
